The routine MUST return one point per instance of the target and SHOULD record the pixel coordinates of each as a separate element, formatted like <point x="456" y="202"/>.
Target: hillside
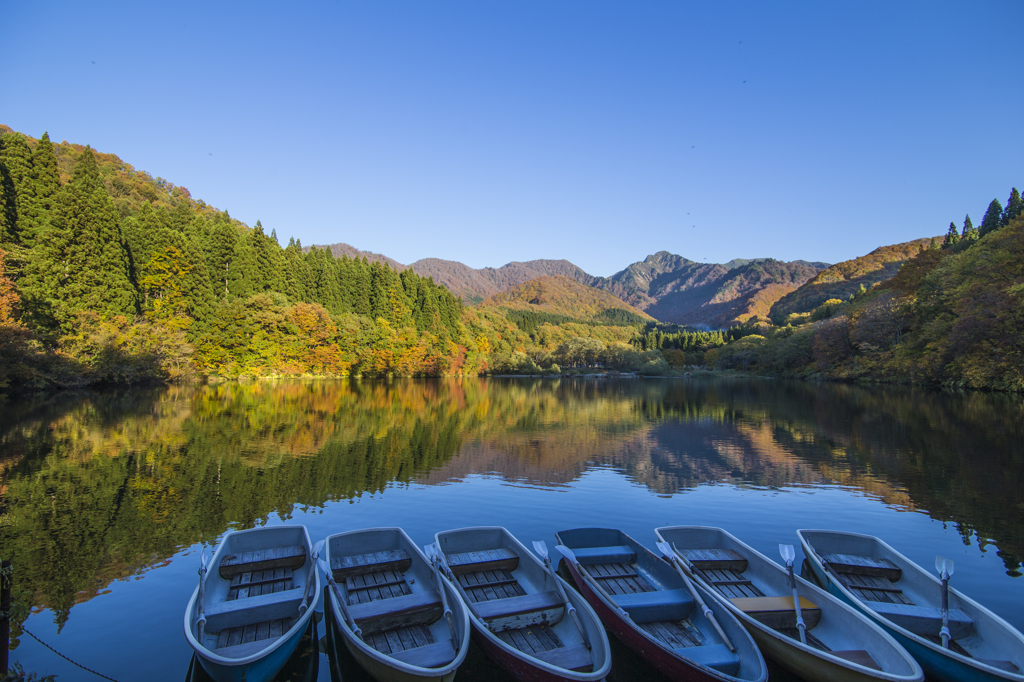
<point x="675" y="289"/>
<point x="562" y="296"/>
<point x="339" y="250"/>
<point x="843" y="279"/>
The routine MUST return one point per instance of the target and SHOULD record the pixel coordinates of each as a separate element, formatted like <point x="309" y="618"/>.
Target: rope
<point x="26" y="631"/>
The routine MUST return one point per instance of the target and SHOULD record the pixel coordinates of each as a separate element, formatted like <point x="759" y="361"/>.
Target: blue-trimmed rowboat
<point x="906" y="600"/>
<point x="408" y="630"/>
<point x="527" y="620"/>
<point x="842" y="644"/>
<point x="254" y="603"/>
<point x="645" y="602"/>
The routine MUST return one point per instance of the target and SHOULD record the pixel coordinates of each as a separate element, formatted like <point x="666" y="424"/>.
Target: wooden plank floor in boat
<point x="624" y="579"/>
<point x="372" y="585"/>
<point x="254" y="632"/>
<point x="496" y="582"/>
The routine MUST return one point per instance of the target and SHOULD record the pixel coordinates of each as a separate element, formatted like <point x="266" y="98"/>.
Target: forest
<point x="952" y="315"/>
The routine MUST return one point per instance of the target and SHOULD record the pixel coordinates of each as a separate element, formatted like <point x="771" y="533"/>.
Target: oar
<point x="309" y="576"/>
<point x="541" y="548"/>
<point x="432" y="556"/>
<point x="945" y="569"/>
<point x="594" y="585"/>
<point x="674" y="560"/>
<point x="789" y="555"/>
<point x="201" y="619"/>
<point x="341" y="600"/>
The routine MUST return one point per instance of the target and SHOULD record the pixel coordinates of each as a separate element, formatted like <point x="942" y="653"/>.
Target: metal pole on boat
<point x="945" y="569"/>
<point x="201" y="598"/>
<point x="341" y="600"/>
<point x="431" y="553"/>
<point x="314" y="555"/>
<point x="542" y="549"/>
<point x="674" y="558"/>
<point x="789" y="555"/>
<point x="6" y="578"/>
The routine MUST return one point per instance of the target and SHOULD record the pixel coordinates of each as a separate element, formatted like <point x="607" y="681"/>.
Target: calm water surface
<point x="106" y="499"/>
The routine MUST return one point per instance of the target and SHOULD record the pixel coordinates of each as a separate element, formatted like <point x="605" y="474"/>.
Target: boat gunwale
<point x="385" y="659"/>
<point x="974" y="663"/>
<point x="703" y="669"/>
<point x="300" y="623"/>
<point x="796" y="643"/>
<point x="582" y="605"/>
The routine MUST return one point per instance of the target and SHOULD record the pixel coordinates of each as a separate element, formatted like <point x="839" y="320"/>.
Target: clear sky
<point x="600" y="132"/>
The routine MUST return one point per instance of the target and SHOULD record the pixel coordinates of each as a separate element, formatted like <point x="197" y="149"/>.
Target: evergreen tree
<point x="80" y="263"/>
<point x="243" y="272"/>
<point x="993" y="218"/>
<point x="952" y="237"/>
<point x="1014" y="207"/>
<point x="296" y="275"/>
<point x="220" y="249"/>
<point x="46" y="179"/>
<point x="361" y="286"/>
<point x="16" y="188"/>
<point x="970" y="233"/>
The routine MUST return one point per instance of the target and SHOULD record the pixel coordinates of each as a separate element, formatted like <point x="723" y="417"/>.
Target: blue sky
<point x="600" y="132"/>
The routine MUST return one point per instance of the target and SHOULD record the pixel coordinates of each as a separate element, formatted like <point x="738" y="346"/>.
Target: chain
<point x="26" y="631"/>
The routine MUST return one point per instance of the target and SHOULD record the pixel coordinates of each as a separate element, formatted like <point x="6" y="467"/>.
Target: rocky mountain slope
<point x="560" y="295"/>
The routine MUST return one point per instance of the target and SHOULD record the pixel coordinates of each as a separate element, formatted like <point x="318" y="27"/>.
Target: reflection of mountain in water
<point x="97" y="487"/>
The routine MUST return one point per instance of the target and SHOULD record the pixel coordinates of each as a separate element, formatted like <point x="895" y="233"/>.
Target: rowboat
<point x="842" y="645"/>
<point x="648" y="605"/>
<point x="401" y="620"/>
<point x="253" y="604"/>
<point x="303" y="666"/>
<point x="906" y="600"/>
<point x="525" y="618"/>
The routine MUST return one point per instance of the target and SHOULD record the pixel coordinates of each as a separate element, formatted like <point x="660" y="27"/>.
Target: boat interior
<point x="391" y="593"/>
<point x="516" y="599"/>
<point x="254" y="591"/>
<point x="653" y="595"/>
<point x="760" y="589"/>
<point x="910" y="598"/>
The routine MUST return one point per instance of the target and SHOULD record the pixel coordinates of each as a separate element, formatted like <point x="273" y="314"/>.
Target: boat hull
<point x="937" y="663"/>
<point x="672" y="666"/>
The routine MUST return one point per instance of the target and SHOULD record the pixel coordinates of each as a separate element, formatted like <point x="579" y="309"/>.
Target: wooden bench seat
<point x="778" y="612"/>
<point x="879" y="567"/>
<point x="925" y="620"/>
<point x="645" y="607"/>
<point x="513" y="613"/>
<point x="622" y="554"/>
<point x="715" y="656"/>
<point x="251" y="603"/>
<point x="433" y="655"/>
<point x="576" y="658"/>
<point x="716" y="559"/>
<point x="500" y="559"/>
<point x="387" y="614"/>
<point x="391" y="560"/>
<point x="262" y="560"/>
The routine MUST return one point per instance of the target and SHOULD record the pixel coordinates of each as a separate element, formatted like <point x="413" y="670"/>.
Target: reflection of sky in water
<point x="760" y="460"/>
<point x="763" y="518"/>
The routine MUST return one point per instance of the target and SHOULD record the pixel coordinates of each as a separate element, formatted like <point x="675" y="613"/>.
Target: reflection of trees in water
<point x="101" y="486"/>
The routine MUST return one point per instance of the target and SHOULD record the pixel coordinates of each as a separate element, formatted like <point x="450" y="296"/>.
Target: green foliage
<point x="993" y="219"/>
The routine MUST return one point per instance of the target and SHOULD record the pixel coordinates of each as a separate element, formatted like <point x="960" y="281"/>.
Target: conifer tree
<point x="361" y="286"/>
<point x="970" y="233"/>
<point x="16" y="187"/>
<point x="46" y="180"/>
<point x="80" y="263"/>
<point x="220" y="250"/>
<point x="1014" y="207"/>
<point x="243" y="272"/>
<point x="993" y="218"/>
<point x="952" y="237"/>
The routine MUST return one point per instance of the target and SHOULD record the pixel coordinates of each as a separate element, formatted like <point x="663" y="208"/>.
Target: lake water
<point x="106" y="498"/>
